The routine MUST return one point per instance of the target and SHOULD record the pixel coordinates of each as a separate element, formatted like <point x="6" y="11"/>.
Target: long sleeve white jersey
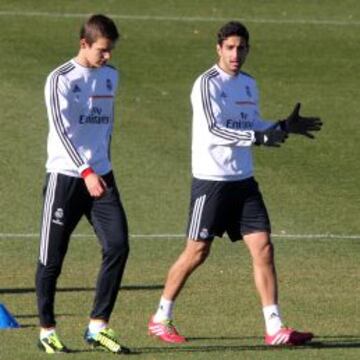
<point x="225" y="117"/>
<point x="80" y="108"/>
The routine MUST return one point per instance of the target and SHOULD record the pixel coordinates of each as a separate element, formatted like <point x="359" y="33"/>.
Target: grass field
<point x="300" y="51"/>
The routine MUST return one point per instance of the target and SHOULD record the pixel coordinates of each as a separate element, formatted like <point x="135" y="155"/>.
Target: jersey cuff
<point x="86" y="172"/>
<point x="253" y="138"/>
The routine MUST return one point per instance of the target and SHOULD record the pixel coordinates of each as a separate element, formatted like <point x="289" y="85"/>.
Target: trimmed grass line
<point x="176" y="236"/>
<point x="186" y="18"/>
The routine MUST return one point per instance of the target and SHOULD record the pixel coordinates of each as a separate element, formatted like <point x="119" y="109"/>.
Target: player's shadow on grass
<point x="324" y="341"/>
<point x="24" y="317"/>
<point x="97" y="351"/>
<point x="79" y="289"/>
<point x="336" y="342"/>
<point x="191" y="339"/>
<point x="321" y="342"/>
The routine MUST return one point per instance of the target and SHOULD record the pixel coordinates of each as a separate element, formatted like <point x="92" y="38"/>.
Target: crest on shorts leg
<point x="204" y="233"/>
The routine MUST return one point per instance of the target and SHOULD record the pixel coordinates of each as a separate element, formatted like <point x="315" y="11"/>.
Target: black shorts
<point x="234" y="207"/>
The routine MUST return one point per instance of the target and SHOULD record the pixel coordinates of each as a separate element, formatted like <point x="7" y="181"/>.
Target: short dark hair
<point x="230" y="29"/>
<point x="98" y="26"/>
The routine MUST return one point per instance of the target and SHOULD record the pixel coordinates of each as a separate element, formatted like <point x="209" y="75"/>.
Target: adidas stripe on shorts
<point x="233" y="207"/>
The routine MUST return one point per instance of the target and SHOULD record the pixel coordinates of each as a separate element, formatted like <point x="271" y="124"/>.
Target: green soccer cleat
<point x="105" y="340"/>
<point x="52" y="345"/>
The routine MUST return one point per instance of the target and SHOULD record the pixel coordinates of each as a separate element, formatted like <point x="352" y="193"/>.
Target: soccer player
<point x="225" y="196"/>
<point x="79" y="99"/>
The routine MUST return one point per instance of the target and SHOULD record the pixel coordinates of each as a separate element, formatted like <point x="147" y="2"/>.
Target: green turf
<point x="218" y="309"/>
<point x="311" y="187"/>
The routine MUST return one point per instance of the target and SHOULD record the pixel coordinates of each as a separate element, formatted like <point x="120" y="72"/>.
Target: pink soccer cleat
<point x="165" y="331"/>
<point x="288" y="336"/>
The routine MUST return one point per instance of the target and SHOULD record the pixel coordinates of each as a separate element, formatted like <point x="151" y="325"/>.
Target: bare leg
<point x="160" y="324"/>
<point x="262" y="253"/>
<point x="193" y="255"/>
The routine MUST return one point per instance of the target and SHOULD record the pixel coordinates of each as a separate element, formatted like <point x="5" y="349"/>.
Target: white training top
<point x="80" y="107"/>
<point x="225" y="116"/>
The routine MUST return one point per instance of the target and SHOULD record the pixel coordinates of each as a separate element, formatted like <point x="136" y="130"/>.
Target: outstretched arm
<point x="297" y="124"/>
<point x="207" y="109"/>
<point x="272" y="136"/>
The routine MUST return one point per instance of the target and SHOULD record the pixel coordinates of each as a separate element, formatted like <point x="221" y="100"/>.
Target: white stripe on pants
<point x="46" y="219"/>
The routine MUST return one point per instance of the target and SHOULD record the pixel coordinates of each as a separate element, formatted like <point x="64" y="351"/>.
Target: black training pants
<point x="66" y="200"/>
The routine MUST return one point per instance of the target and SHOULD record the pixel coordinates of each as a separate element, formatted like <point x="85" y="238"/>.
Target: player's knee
<point x="201" y="253"/>
<point x="117" y="249"/>
<point x="266" y="253"/>
<point x="51" y="269"/>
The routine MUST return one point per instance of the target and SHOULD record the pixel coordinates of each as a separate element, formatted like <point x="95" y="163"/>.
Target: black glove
<point x="270" y="137"/>
<point x="297" y="124"/>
